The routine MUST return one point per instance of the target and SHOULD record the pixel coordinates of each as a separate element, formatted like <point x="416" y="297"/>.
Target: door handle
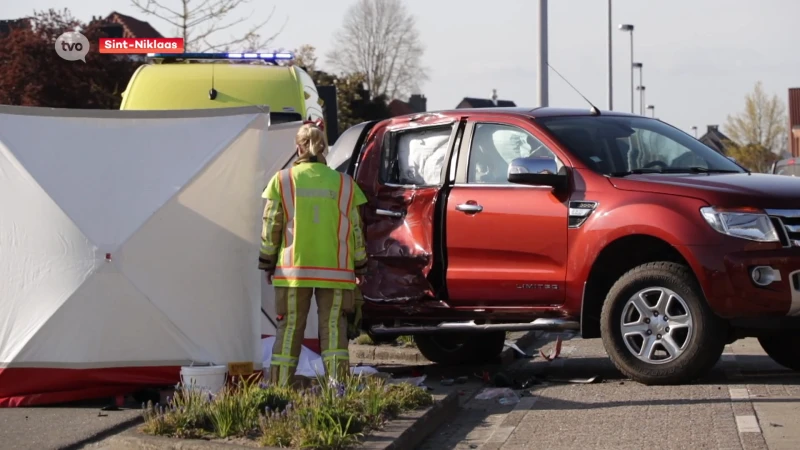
<point x="386" y="212"/>
<point x="469" y="208"/>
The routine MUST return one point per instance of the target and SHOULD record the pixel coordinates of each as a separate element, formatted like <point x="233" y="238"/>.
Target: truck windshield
<point x="792" y="170"/>
<point x="620" y="146"/>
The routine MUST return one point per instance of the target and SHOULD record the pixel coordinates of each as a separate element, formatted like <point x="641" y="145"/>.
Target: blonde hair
<point x="311" y="139"/>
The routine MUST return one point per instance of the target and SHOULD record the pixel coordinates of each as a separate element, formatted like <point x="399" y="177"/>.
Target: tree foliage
<point x="34" y="75"/>
<point x="197" y="20"/>
<point x="354" y="103"/>
<point x="379" y="39"/>
<point x="758" y="133"/>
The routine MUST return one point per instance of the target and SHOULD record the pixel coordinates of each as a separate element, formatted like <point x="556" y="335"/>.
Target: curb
<point x="367" y="354"/>
<point x="403" y="433"/>
<point x="409" y="430"/>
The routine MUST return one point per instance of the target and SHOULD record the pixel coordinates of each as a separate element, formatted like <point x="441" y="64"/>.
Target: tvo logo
<point x="72" y="46"/>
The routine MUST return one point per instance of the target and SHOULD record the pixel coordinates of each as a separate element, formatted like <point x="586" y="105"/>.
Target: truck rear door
<point x="402" y="168"/>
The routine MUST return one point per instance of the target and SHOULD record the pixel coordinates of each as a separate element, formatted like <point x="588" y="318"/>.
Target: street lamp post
<point x="629" y="27"/>
<point x="640" y="66"/>
<point x="543" y="87"/>
<point x="641" y="89"/>
<point x="653" y="109"/>
<point x="610" y="70"/>
<point x="694" y="128"/>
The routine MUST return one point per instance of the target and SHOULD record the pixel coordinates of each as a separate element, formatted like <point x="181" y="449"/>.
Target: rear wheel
<point x="783" y="347"/>
<point x="657" y="327"/>
<point x="461" y="348"/>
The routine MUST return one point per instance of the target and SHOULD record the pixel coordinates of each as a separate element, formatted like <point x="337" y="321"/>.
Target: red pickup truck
<point x="614" y="225"/>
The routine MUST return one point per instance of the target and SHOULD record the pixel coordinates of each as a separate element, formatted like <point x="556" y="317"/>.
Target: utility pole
<point x="610" y="69"/>
<point x="543" y="85"/>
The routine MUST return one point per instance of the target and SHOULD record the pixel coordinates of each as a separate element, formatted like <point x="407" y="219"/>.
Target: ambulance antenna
<point x="212" y="93"/>
<point x="594" y="110"/>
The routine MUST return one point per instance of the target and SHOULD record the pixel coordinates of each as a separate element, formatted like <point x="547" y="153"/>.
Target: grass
<point x="401" y="341"/>
<point x="330" y="415"/>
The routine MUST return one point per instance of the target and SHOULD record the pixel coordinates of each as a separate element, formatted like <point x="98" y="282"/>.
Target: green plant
<point x="326" y="431"/>
<point x="279" y="428"/>
<point x="155" y="420"/>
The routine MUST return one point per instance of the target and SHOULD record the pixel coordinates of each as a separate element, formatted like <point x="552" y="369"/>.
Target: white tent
<point x="129" y="243"/>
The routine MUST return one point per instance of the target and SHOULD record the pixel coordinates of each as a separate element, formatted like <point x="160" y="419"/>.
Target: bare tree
<point x="197" y="20"/>
<point x="762" y="123"/>
<point x="379" y="39"/>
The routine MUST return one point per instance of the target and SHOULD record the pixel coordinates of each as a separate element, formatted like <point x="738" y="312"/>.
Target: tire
<point x="696" y="347"/>
<point x="454" y="349"/>
<point x="783" y="348"/>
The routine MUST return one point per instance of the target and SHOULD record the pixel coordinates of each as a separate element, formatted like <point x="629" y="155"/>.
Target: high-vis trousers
<point x="292" y="306"/>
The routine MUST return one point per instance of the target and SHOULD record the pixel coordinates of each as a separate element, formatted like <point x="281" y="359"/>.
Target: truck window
<point x="494" y="146"/>
<point x="415" y="157"/>
<point x="790" y="170"/>
<point x="617" y="145"/>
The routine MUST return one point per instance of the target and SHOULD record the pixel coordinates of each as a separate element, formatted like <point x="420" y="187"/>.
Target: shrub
<point x="330" y="415"/>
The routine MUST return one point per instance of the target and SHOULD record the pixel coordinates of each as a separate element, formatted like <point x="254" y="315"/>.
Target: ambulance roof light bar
<point x="254" y="56"/>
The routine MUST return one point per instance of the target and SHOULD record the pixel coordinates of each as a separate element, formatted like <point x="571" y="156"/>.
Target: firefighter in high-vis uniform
<point x="312" y="244"/>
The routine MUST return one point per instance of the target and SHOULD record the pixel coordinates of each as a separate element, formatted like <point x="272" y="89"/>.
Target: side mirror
<point x="537" y="171"/>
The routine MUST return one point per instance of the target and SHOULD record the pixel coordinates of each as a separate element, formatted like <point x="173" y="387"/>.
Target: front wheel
<point x="657" y="327"/>
<point x="461" y="348"/>
<point x="783" y="347"/>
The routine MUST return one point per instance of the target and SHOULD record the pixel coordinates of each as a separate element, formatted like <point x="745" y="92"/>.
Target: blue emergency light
<point x="272" y="56"/>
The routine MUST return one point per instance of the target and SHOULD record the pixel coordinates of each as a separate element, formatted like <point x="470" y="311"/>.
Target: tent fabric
<point x="129" y="242"/>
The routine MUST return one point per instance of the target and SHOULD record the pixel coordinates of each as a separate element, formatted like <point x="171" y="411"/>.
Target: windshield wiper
<point x="693" y="169"/>
<point x="698" y="169"/>
<point x="636" y="172"/>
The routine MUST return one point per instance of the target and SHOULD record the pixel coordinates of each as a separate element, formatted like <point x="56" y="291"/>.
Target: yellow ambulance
<point x="204" y="80"/>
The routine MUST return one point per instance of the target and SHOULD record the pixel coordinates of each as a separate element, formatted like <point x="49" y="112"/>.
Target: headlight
<point x="753" y="226"/>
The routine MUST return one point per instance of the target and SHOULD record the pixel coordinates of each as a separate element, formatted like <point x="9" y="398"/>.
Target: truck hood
<point x="728" y="189"/>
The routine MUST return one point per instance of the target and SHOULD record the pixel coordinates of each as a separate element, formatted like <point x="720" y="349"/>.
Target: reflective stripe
<point x="341" y="353"/>
<point x="314" y="273"/>
<point x="287" y="196"/>
<point x="288" y="334"/>
<point x="361" y="255"/>
<point x="333" y="330"/>
<point x="267" y="246"/>
<point x="283" y="360"/>
<point x="345" y="199"/>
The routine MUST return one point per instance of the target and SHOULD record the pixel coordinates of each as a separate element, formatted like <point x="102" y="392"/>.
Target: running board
<point x="461" y="327"/>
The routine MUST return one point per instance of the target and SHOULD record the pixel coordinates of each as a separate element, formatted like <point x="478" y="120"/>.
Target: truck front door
<point x="402" y="170"/>
<point x="506" y="243"/>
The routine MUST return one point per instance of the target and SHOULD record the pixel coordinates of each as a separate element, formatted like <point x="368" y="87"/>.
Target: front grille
<point x="787" y="222"/>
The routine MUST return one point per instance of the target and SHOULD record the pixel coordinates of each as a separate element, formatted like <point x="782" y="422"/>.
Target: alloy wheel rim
<point x="656" y="325"/>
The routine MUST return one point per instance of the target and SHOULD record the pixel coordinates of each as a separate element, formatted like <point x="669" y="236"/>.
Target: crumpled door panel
<point x="400" y="249"/>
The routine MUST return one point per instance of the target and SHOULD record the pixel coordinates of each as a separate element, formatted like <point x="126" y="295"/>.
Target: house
<point x="118" y="25"/>
<point x="7" y="25"/>
<point x="417" y="103"/>
<point x="715" y="139"/>
<point x="794" y="122"/>
<point x="471" y="102"/>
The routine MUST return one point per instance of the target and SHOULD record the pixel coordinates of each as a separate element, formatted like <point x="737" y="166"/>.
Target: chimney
<point x="494" y="96"/>
<point x="418" y="103"/>
<point x="712" y="128"/>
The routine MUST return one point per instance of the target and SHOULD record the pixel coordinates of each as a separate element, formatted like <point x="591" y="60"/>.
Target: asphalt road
<point x="747" y="402"/>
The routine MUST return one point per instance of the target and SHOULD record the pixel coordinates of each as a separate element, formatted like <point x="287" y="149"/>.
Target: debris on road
<point x="505" y="396"/>
<point x="575" y="380"/>
<point x="553" y="354"/>
<point x="516" y="348"/>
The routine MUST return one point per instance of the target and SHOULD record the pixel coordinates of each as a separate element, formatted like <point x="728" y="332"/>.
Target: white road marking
<point x="747" y="424"/>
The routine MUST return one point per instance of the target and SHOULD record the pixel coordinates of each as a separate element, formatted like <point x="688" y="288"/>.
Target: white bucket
<point x="211" y="378"/>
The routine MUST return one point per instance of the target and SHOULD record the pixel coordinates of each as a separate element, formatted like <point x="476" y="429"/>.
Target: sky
<point x="700" y="57"/>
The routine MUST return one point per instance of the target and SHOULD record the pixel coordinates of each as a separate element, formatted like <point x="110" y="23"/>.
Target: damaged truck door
<point x="506" y="242"/>
<point x="401" y="170"/>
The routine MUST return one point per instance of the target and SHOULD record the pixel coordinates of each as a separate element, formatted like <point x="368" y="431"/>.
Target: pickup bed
<point x="617" y="226"/>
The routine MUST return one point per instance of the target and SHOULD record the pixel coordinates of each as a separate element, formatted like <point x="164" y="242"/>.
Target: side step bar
<point x="461" y="327"/>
